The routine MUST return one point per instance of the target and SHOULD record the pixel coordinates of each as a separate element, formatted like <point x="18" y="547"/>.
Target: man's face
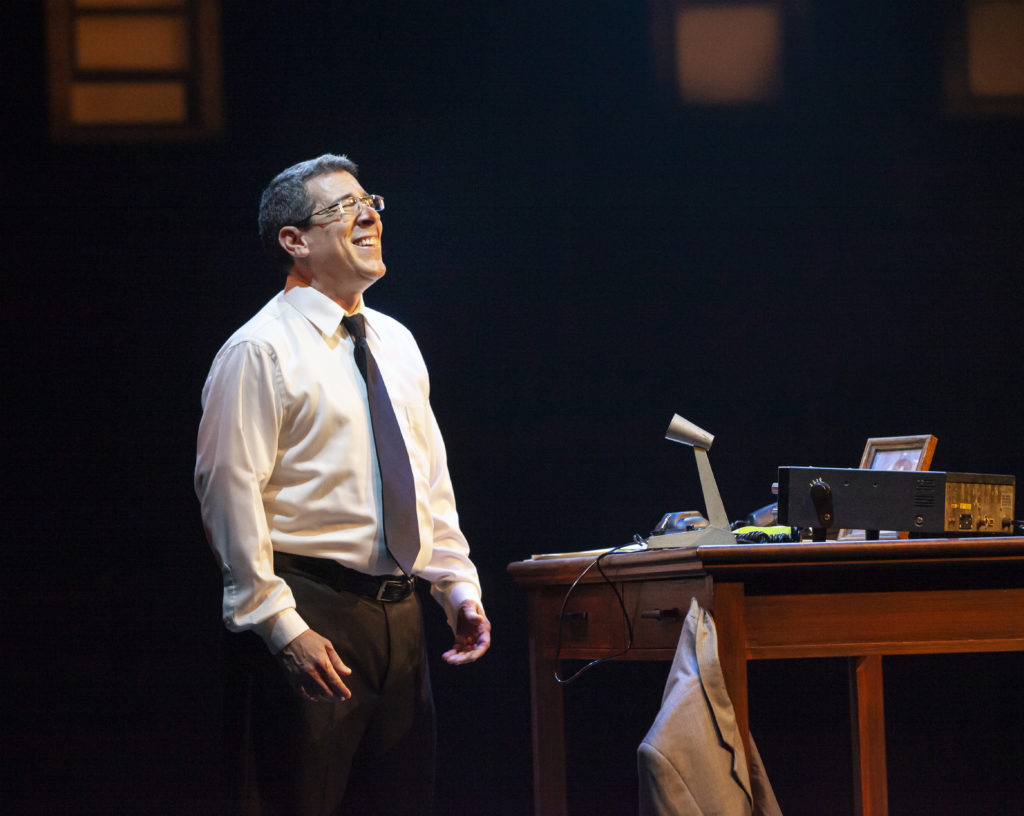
<point x="344" y="251"/>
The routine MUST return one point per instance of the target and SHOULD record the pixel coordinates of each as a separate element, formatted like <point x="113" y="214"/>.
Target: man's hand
<point x="472" y="634"/>
<point x="315" y="669"/>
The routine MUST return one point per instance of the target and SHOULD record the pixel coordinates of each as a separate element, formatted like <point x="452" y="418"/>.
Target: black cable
<point x="622" y="605"/>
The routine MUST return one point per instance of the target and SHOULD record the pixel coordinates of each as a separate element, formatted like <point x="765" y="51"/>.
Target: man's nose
<point x="365" y="214"/>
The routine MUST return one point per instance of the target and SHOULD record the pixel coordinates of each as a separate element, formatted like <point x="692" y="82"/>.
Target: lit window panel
<point x="131" y="42"/>
<point x="126" y="103"/>
<point x="134" y="69"/>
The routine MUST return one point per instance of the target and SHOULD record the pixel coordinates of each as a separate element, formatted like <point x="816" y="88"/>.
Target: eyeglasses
<point x="347" y="206"/>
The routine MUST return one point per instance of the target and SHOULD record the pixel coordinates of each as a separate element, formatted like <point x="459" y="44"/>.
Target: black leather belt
<point x="386" y="588"/>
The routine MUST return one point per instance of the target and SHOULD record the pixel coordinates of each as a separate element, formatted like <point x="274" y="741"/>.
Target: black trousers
<point x="373" y="754"/>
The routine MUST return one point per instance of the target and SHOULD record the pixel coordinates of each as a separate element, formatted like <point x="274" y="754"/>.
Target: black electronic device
<point x="932" y="502"/>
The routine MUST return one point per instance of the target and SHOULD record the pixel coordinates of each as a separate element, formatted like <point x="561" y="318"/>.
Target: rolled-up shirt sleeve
<point x="237" y="449"/>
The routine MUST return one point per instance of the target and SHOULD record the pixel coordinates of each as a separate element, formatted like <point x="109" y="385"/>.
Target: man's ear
<point x="293" y="241"/>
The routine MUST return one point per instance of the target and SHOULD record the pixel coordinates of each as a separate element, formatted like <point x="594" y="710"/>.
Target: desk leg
<point x="731" y="623"/>
<point x="867" y="714"/>
<point x="548" y="714"/>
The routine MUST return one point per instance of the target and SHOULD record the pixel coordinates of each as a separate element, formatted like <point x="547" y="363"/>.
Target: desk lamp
<point x="717" y="532"/>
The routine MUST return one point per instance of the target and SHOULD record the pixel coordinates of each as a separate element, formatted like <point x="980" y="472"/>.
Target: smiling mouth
<point x="367" y="241"/>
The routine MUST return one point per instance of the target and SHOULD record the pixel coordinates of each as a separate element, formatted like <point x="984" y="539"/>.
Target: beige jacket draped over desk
<point x="692" y="762"/>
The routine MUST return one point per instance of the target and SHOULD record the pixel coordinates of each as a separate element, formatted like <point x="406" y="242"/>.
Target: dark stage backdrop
<point x="580" y="258"/>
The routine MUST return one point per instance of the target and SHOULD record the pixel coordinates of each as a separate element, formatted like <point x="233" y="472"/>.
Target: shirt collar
<point x="320" y="310"/>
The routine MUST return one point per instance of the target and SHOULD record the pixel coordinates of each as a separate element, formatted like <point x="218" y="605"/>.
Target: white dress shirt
<point x="286" y="460"/>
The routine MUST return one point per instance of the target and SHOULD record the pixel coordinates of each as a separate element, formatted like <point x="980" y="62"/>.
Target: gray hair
<point x="285" y="202"/>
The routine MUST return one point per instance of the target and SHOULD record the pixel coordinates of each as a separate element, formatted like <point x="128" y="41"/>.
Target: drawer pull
<point x="580" y="615"/>
<point x="660" y="614"/>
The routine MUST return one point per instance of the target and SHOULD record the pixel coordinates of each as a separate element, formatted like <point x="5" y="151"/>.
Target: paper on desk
<point x="625" y="548"/>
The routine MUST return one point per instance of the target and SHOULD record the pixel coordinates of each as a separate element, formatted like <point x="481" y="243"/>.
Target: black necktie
<point x="398" y="493"/>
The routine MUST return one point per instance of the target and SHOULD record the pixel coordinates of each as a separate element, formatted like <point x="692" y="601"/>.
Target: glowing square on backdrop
<point x="729" y="54"/>
<point x="995" y="48"/>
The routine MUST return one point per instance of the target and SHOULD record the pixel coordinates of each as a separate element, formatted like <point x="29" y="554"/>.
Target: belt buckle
<point x="387" y="583"/>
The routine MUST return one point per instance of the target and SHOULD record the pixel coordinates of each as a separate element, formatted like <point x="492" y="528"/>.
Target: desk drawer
<point x="658" y="609"/>
<point x="593" y="624"/>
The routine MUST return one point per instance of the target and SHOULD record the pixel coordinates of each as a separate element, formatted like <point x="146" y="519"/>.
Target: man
<point x="331" y="703"/>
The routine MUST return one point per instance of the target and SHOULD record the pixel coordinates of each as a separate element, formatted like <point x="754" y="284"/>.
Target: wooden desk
<point x="857" y="600"/>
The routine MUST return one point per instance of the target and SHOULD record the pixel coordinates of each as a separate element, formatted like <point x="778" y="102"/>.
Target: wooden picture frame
<point x="898" y="453"/>
<point x="894" y="453"/>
